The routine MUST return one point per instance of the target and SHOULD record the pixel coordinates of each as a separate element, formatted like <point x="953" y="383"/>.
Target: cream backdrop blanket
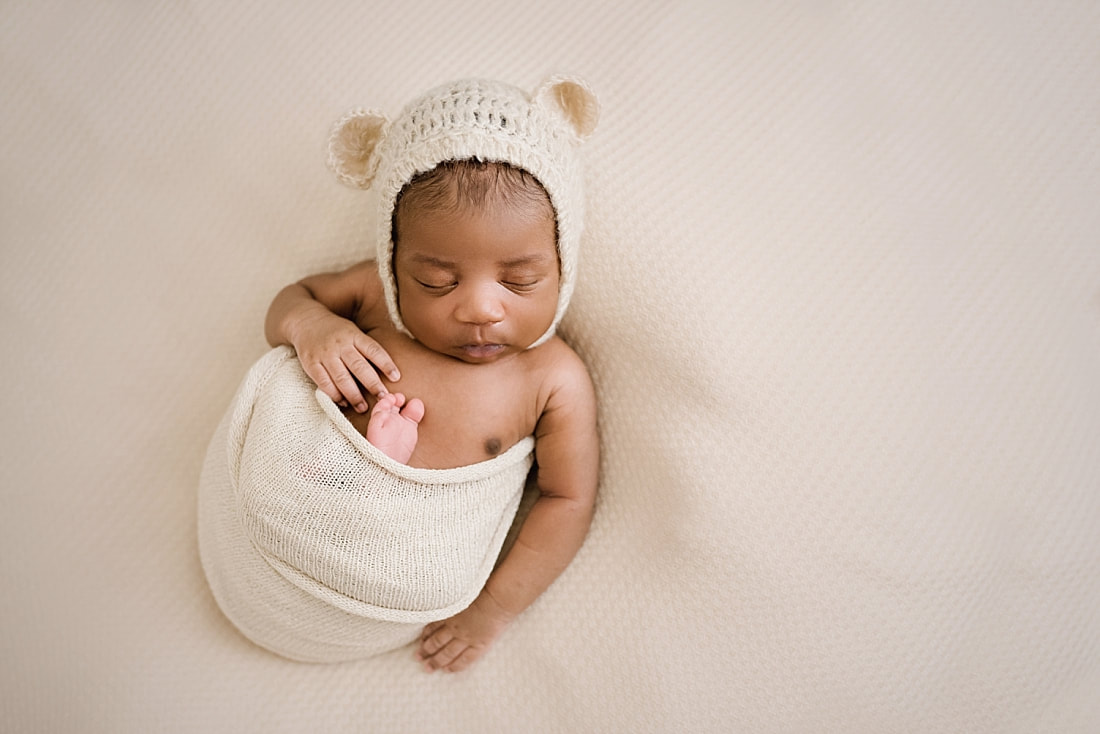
<point x="839" y="293"/>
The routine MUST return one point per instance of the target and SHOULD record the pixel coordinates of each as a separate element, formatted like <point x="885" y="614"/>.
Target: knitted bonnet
<point x="473" y="118"/>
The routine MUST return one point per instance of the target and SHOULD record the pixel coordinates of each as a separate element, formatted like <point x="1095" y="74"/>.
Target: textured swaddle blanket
<point x="320" y="547"/>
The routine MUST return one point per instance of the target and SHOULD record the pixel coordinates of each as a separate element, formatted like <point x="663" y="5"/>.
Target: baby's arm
<point x="318" y="316"/>
<point x="567" y="450"/>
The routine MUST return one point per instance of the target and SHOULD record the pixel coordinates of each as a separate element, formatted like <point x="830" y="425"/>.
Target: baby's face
<point x="477" y="286"/>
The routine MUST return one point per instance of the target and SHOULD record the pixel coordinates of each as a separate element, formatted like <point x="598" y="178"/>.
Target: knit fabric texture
<point x="319" y="546"/>
<point x="474" y="119"/>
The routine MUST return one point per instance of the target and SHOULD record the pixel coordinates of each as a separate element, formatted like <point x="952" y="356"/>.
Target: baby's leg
<point x="393" y="425"/>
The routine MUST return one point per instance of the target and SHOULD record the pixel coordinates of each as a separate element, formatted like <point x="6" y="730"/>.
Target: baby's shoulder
<point x="554" y="355"/>
<point x="371" y="308"/>
<point x="560" y="370"/>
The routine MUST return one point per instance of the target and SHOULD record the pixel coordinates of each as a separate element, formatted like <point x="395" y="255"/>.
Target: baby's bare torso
<point x="472" y="412"/>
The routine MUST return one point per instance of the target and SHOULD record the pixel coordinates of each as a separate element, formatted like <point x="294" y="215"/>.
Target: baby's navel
<point x="492" y="446"/>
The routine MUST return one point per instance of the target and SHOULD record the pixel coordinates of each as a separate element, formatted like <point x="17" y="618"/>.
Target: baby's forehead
<point x="507" y="261"/>
<point x="504" y="240"/>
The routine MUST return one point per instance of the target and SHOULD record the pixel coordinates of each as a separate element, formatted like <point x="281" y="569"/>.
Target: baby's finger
<point x="377" y="356"/>
<point x="430" y="628"/>
<point x="436" y="641"/>
<point x="464" y="660"/>
<point x="319" y="375"/>
<point x="364" y="371"/>
<point x="446" y="654"/>
<point x="345" y="383"/>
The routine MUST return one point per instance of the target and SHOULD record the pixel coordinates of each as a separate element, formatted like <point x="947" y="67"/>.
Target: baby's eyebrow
<point x="431" y="260"/>
<point x="515" y="262"/>
<point x="533" y="259"/>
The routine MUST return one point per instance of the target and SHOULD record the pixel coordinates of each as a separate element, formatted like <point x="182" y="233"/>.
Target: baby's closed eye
<point x="437" y="286"/>
<point x="521" y="285"/>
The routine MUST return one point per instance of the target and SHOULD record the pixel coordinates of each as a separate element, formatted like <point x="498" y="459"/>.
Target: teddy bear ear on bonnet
<point x="356" y="136"/>
<point x="573" y="100"/>
<point x="352" y="144"/>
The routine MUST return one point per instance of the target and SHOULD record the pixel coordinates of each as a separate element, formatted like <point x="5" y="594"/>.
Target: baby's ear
<point x="574" y="100"/>
<point x="352" y="144"/>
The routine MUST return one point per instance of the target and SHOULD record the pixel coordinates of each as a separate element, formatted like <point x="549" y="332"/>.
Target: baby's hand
<point x="454" y="644"/>
<point x="334" y="352"/>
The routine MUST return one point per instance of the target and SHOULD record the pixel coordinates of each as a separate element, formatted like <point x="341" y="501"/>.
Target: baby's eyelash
<point x="434" y="287"/>
<point x="517" y="286"/>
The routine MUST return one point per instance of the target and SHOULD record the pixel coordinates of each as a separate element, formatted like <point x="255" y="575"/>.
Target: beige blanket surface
<point x="839" y="294"/>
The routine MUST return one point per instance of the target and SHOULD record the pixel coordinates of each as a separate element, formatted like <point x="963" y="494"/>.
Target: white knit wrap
<point x="474" y="118"/>
<point x="320" y="547"/>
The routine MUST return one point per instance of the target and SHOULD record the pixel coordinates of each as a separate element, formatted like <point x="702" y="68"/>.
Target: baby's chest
<point x="467" y="417"/>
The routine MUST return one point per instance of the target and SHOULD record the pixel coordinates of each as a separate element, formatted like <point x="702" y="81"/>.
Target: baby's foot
<point x="392" y="427"/>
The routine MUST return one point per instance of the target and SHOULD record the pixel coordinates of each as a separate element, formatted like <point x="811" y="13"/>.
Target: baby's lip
<point x="481" y="350"/>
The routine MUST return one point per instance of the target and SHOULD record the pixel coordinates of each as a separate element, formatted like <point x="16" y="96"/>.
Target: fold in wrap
<point x="320" y="547"/>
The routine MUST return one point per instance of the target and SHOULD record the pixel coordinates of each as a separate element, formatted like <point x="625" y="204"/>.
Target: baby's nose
<point x="480" y="306"/>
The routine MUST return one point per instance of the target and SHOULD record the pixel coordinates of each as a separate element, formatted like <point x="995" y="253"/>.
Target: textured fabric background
<point x="840" y="295"/>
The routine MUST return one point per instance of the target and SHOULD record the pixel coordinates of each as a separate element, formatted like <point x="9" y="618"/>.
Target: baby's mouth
<point x="481" y="351"/>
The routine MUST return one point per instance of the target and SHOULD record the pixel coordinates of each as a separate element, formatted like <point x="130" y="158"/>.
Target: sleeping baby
<point x="392" y="539"/>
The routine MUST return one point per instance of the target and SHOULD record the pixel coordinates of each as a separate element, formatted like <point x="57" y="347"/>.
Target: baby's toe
<point x="414" y="411"/>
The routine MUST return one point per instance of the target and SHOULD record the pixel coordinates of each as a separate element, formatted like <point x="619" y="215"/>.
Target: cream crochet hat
<point x="473" y="118"/>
